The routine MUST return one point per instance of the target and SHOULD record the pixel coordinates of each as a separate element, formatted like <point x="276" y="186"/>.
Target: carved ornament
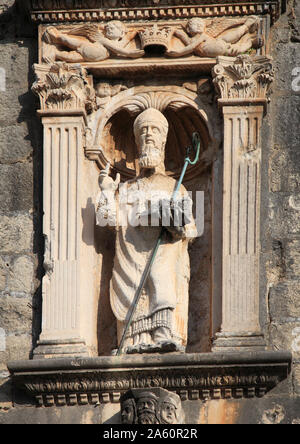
<point x="245" y="78"/>
<point x="53" y="11"/>
<point x="61" y="87"/>
<point x="93" y="44"/>
<point x="151" y="406"/>
<point x="192" y="376"/>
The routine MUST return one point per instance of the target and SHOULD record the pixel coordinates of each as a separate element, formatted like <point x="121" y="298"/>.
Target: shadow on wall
<point x="106" y="321"/>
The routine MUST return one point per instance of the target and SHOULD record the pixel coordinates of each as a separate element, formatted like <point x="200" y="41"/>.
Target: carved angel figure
<point x="89" y="43"/>
<point x="232" y="42"/>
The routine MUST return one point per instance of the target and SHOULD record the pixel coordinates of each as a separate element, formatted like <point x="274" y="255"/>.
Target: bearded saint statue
<point x="160" y="320"/>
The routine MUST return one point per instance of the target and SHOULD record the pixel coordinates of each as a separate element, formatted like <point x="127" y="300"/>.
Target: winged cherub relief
<point x="89" y="43"/>
<point x="232" y="42"/>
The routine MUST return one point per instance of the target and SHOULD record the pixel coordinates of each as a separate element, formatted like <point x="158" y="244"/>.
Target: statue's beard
<point x="150" y="158"/>
<point x="147" y="418"/>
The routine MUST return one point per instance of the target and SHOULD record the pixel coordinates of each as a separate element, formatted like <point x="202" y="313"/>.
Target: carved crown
<point x="156" y="37"/>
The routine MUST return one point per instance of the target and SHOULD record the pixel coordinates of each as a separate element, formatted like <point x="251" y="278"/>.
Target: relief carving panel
<point x="199" y="37"/>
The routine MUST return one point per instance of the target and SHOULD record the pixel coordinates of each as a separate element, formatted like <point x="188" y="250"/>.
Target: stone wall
<point x="21" y="240"/>
<point x="21" y="244"/>
<point x="281" y="204"/>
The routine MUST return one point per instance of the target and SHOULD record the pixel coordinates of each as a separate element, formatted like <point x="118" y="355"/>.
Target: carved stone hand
<point x="106" y="182"/>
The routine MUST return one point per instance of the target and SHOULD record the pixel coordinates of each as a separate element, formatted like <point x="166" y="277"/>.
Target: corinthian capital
<point x="246" y="78"/>
<point x="61" y="87"/>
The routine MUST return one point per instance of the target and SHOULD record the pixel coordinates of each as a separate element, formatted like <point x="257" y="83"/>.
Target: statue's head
<point x="170" y="410"/>
<point x="128" y="411"/>
<point x="196" y="26"/>
<point x="115" y="30"/>
<point x="151" y="132"/>
<point x="146" y="406"/>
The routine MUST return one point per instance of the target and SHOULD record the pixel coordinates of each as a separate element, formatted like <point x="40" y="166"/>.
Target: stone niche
<point x="206" y="69"/>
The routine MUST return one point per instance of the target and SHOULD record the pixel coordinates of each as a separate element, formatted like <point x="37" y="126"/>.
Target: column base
<point x="73" y="348"/>
<point x="232" y="342"/>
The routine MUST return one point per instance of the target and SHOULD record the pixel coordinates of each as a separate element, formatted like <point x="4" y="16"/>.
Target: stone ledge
<point x="117" y="68"/>
<point x="193" y="376"/>
<point x="48" y="12"/>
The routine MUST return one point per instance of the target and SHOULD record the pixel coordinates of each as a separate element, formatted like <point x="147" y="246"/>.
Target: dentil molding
<point x="72" y="381"/>
<point x="53" y="11"/>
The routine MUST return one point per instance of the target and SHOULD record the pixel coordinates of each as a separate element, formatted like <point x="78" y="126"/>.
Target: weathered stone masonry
<point x="21" y="246"/>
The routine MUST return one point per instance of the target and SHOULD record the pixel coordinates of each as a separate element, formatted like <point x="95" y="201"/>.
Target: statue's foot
<point x="169" y="346"/>
<point x="252" y="23"/>
<point x="258" y="42"/>
<point x="166" y="346"/>
<point x="138" y="349"/>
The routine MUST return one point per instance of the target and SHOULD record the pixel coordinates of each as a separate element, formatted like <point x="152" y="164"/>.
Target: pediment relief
<point x="196" y="38"/>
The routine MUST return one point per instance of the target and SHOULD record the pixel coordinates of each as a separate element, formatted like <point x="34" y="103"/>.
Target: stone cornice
<point x="57" y="11"/>
<point x="192" y="376"/>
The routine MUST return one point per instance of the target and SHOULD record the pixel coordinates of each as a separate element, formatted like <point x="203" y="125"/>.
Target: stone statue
<point x="87" y="43"/>
<point x="232" y="42"/>
<point x="151" y="406"/>
<point x="160" y="321"/>
<point x="105" y="91"/>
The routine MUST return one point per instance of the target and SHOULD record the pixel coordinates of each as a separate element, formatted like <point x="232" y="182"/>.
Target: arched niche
<point x="113" y="141"/>
<point x="113" y="137"/>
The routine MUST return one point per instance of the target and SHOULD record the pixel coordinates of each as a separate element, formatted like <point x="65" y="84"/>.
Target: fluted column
<point x="242" y="87"/>
<point x="63" y="92"/>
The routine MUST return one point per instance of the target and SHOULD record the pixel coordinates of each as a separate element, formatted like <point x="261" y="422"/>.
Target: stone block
<point x="5" y="394"/>
<point x="15" y="314"/>
<point x="284" y="215"/>
<point x="286" y="58"/>
<point x="284" y="175"/>
<point x="4" y="266"/>
<point x="16" y="233"/>
<point x="287" y="135"/>
<point x="296" y="379"/>
<point x="17" y="96"/>
<point x="15" y="145"/>
<point x="16" y="184"/>
<point x="292" y="258"/>
<point x="284" y="301"/>
<point x="2" y="340"/>
<point x="17" y="347"/>
<point x="286" y="336"/>
<point x="21" y="275"/>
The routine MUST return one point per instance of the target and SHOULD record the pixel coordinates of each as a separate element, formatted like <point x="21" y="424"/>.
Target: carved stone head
<point x="128" y="412"/>
<point x="146" y="406"/>
<point x="151" y="132"/>
<point x="196" y="26"/>
<point x="170" y="410"/>
<point x="115" y="30"/>
<point x="151" y="406"/>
